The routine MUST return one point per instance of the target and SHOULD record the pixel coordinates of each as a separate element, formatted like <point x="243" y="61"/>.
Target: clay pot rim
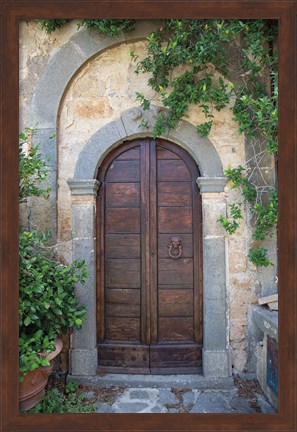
<point x="50" y="355"/>
<point x="59" y="345"/>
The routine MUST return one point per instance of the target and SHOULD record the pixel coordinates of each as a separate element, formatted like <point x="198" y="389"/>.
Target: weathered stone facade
<point x="81" y="86"/>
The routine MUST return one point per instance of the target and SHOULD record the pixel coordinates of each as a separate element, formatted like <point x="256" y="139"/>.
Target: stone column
<point x="83" y="351"/>
<point x="216" y="356"/>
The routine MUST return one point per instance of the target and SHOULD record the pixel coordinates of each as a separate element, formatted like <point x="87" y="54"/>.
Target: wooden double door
<point x="149" y="299"/>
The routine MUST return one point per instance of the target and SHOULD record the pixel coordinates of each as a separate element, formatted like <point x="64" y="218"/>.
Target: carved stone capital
<point x="211" y="184"/>
<point x="83" y="187"/>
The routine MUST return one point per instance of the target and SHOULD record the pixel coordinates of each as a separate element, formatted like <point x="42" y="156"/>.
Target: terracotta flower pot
<point x="32" y="388"/>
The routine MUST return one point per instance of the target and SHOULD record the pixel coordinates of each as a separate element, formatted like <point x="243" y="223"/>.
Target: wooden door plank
<point x="123" y="220"/>
<point x="175" y="329"/>
<point x="123" y="171"/>
<point x="198" y="265"/>
<point x="176" y="303"/>
<point x="145" y="232"/>
<point x="175" y="219"/>
<point x="153" y="245"/>
<point x="123" y="273"/>
<point x="173" y="170"/>
<point x="175" y="352"/>
<point x="132" y="154"/>
<point x="163" y="153"/>
<point x="123" y="296"/>
<point x="173" y="272"/>
<point x="100" y="265"/>
<point x="122" y="329"/>
<point x="122" y="194"/>
<point x="122" y="246"/>
<point x="175" y="194"/>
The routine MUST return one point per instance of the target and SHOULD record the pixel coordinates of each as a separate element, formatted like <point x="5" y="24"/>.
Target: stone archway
<point x="216" y="357"/>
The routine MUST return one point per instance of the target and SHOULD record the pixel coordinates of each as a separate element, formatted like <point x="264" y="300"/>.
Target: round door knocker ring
<point x="175" y="247"/>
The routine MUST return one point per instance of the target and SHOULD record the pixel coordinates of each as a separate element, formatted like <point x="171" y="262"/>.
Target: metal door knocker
<point x="175" y="247"/>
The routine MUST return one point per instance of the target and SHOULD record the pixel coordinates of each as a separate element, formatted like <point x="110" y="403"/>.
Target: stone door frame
<point x="84" y="188"/>
<point x="59" y="71"/>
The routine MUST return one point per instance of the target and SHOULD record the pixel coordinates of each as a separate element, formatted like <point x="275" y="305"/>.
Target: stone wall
<point x="98" y="93"/>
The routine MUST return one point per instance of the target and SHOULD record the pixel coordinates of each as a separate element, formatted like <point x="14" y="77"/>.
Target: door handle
<point x="175" y="247"/>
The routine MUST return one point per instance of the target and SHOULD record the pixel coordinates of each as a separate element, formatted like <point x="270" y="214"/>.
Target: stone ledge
<point x="155" y="381"/>
<point x="266" y="320"/>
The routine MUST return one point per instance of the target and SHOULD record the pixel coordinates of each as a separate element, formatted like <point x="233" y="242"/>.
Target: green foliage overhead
<point x="214" y="64"/>
<point x="50" y="25"/>
<point x="110" y="27"/>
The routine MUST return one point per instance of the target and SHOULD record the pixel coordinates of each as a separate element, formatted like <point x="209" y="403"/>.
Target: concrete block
<point x="83" y="221"/>
<point x="83" y="362"/>
<point x="216" y="364"/>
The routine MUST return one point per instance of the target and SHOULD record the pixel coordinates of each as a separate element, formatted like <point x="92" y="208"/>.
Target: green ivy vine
<point x="212" y="63"/>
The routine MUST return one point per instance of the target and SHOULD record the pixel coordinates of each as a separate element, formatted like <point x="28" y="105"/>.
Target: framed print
<point x="166" y="174"/>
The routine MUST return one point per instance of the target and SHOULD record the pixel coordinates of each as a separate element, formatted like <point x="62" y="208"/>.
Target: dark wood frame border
<point x="285" y="12"/>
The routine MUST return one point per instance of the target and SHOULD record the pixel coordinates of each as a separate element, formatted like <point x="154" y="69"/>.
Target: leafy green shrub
<point x="32" y="169"/>
<point x="55" y="402"/>
<point x="47" y="303"/>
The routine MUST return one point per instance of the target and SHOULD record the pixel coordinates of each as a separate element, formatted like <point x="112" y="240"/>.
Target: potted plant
<point x="47" y="303"/>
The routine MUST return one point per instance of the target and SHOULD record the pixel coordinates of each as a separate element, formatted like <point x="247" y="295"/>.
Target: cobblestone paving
<point x="167" y="400"/>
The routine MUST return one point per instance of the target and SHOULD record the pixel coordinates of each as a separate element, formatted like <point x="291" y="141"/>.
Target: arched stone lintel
<point x="128" y="126"/>
<point x="70" y="58"/>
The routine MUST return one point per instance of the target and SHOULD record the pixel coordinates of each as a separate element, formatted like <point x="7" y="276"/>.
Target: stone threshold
<point x="155" y="381"/>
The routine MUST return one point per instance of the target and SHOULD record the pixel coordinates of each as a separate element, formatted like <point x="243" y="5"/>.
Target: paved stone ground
<point x="168" y="400"/>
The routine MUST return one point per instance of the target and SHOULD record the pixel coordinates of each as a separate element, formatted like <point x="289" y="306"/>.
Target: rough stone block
<point x="214" y="325"/>
<point x="83" y="361"/>
<point x="51" y="86"/>
<point x="188" y="398"/>
<point x="241" y="405"/>
<point x="47" y="146"/>
<point x="131" y="407"/>
<point x="101" y="407"/>
<point x="95" y="150"/>
<point x="43" y="212"/>
<point x="216" y="364"/>
<point x="89" y="42"/>
<point x="211" y="211"/>
<point x="167" y="397"/>
<point x="201" y="148"/>
<point x="211" y="403"/>
<point x="214" y="269"/>
<point x="83" y="221"/>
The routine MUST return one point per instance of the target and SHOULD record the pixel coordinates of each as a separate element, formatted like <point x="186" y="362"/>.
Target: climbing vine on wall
<point x="215" y="64"/>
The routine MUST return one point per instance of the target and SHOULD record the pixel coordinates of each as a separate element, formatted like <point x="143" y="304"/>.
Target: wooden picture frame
<point x="285" y="12"/>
